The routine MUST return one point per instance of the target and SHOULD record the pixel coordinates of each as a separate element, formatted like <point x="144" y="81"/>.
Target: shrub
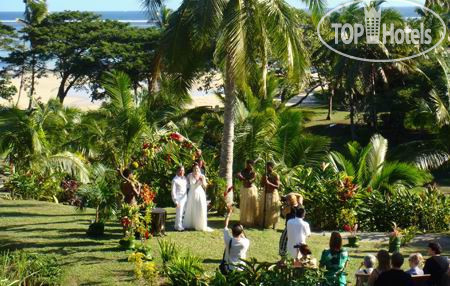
<point x="31" y="186"/>
<point x="186" y="270"/>
<point x="427" y="209"/>
<point x="168" y="250"/>
<point x="24" y="268"/>
<point x="262" y="273"/>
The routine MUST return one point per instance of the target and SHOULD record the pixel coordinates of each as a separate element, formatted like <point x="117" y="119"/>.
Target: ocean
<point x="134" y="18"/>
<point x="140" y="18"/>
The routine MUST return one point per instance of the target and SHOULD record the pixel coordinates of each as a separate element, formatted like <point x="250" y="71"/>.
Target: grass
<point x="49" y="228"/>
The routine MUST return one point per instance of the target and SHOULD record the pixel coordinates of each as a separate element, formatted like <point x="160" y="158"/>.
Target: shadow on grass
<point x="19" y="206"/>
<point x="7" y="244"/>
<point x="212" y="261"/>
<point x="20" y="214"/>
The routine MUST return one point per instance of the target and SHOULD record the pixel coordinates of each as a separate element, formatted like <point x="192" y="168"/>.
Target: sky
<point x="130" y="5"/>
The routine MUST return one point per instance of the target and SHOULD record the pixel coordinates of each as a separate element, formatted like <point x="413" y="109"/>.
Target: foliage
<point x="32" y="186"/>
<point x="144" y="270"/>
<point x="101" y="193"/>
<point x="370" y="169"/>
<point x="168" y="250"/>
<point x="7" y="90"/>
<point x="427" y="209"/>
<point x="408" y="234"/>
<point x="185" y="270"/>
<point x="27" y="142"/>
<point x="261" y="273"/>
<point x="22" y="268"/>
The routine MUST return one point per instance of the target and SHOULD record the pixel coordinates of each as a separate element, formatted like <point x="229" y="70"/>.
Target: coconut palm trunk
<point x="226" y="152"/>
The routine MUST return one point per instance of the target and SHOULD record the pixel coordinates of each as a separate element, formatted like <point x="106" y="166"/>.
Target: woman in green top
<point x="335" y="260"/>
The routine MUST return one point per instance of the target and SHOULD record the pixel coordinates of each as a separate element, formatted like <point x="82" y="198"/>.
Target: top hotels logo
<point x="375" y="32"/>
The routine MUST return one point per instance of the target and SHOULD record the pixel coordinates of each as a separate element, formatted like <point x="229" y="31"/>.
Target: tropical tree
<point x="24" y="141"/>
<point x="265" y="128"/>
<point x="112" y="134"/>
<point x="35" y="12"/>
<point x="246" y="34"/>
<point x="369" y="169"/>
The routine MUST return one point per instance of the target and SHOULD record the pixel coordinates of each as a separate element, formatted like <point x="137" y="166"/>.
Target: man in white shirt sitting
<point x="297" y="232"/>
<point x="179" y="196"/>
<point x="239" y="245"/>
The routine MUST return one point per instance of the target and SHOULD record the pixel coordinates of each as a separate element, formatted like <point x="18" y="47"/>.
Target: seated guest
<point x="334" y="260"/>
<point x="239" y="245"/>
<point x="293" y="202"/>
<point x="437" y="266"/>
<point x="395" y="276"/>
<point x="415" y="260"/>
<point x="306" y="260"/>
<point x="368" y="264"/>
<point x="297" y="232"/>
<point x="384" y="264"/>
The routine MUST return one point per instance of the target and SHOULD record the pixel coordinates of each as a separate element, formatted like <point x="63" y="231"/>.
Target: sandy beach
<point x="47" y="88"/>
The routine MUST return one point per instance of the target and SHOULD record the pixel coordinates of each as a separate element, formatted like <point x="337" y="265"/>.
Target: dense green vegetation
<point x="56" y="230"/>
<point x="374" y="156"/>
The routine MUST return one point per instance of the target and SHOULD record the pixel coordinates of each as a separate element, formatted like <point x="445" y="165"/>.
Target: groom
<point x="179" y="196"/>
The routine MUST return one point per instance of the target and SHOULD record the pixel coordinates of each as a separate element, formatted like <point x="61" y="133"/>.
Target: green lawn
<point x="57" y="229"/>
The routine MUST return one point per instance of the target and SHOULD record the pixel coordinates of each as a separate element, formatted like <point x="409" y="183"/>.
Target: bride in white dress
<point x="196" y="215"/>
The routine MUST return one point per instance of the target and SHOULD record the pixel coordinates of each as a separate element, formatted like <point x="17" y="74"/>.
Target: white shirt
<point x="179" y="188"/>
<point x="239" y="247"/>
<point x="297" y="232"/>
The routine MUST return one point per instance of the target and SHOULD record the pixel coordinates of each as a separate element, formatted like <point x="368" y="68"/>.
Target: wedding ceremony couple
<point x="189" y="197"/>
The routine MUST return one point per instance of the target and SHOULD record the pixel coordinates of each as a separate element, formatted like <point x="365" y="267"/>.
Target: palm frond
<point x="377" y="154"/>
<point x="69" y="163"/>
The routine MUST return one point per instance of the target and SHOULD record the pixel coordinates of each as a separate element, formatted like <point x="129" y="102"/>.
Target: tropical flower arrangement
<point x="136" y="221"/>
<point x="348" y="217"/>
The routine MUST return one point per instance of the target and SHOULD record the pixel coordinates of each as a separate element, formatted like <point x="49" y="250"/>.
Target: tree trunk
<point x="61" y="90"/>
<point x="33" y="75"/>
<point x="352" y="115"/>
<point x="226" y="152"/>
<point x="373" y="108"/>
<point x="330" y="102"/>
<point x="22" y="82"/>
<point x="264" y="74"/>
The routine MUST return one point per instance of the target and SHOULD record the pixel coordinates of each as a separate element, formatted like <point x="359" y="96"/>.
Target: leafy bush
<point x="329" y="195"/>
<point x="185" y="270"/>
<point x="261" y="273"/>
<point x="427" y="209"/>
<point x="168" y="250"/>
<point x="31" y="186"/>
<point x="24" y="268"/>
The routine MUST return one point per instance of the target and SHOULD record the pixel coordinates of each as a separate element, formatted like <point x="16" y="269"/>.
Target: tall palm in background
<point x="35" y="13"/>
<point x="243" y="35"/>
<point x="369" y="168"/>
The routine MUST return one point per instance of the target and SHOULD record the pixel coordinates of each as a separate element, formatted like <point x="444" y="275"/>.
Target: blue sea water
<point x="134" y="18"/>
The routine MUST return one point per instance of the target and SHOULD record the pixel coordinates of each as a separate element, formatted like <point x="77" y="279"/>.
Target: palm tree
<point x="242" y="35"/>
<point x="24" y="141"/>
<point x="112" y="134"/>
<point x="365" y="78"/>
<point x="266" y="127"/>
<point x="35" y="12"/>
<point x="369" y="168"/>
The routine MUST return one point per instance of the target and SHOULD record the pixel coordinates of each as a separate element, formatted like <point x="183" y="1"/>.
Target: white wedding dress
<point x="196" y="215"/>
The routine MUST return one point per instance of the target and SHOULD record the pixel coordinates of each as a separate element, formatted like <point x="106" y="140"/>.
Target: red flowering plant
<point x="347" y="189"/>
<point x="349" y="220"/>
